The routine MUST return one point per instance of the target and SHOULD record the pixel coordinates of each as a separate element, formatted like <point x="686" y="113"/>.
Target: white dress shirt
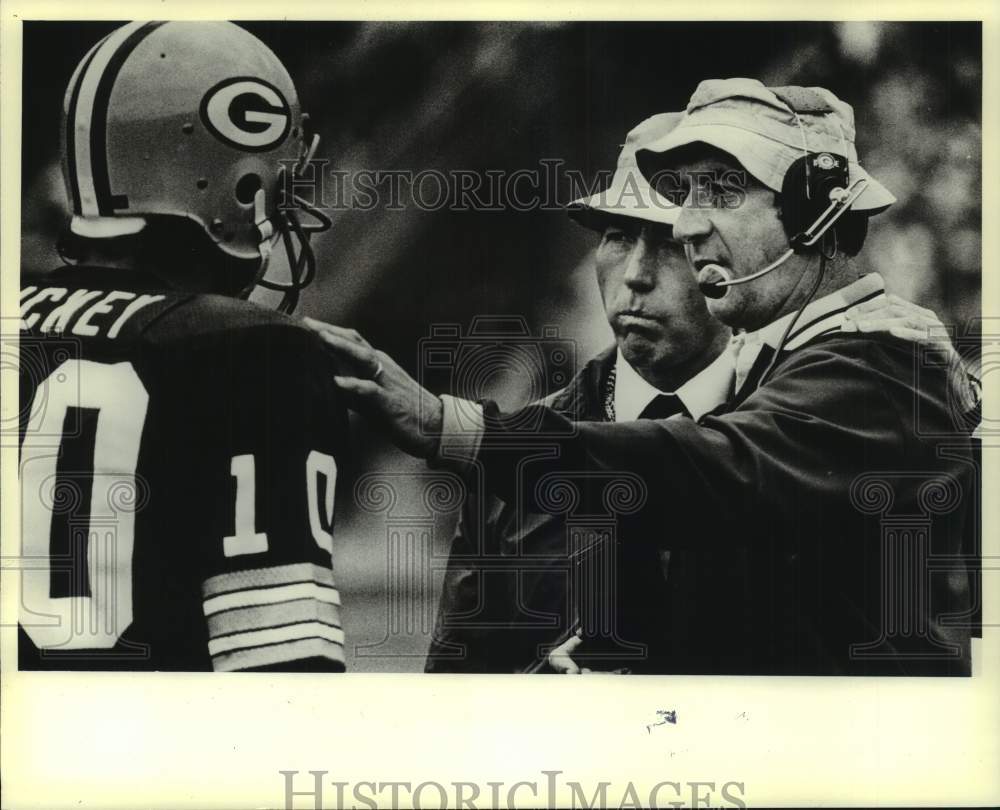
<point x="706" y="390"/>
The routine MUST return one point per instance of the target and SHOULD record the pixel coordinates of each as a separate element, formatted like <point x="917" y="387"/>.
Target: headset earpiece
<point x="816" y="194"/>
<point x="806" y="194"/>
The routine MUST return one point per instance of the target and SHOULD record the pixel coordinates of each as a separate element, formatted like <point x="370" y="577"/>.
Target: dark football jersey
<point x="178" y="463"/>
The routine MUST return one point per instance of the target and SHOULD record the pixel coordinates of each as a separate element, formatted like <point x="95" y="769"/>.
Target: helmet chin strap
<point x="264" y="226"/>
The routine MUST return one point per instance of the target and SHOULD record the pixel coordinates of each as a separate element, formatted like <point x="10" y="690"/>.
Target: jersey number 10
<point x="100" y="608"/>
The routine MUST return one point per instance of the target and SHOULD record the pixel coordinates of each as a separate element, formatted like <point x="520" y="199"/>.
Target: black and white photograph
<point x="644" y="351"/>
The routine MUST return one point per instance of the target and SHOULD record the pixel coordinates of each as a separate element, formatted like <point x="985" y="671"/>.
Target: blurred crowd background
<point x="502" y="97"/>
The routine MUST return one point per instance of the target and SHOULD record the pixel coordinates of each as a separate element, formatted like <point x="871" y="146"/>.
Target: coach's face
<point x="652" y="302"/>
<point x="730" y="220"/>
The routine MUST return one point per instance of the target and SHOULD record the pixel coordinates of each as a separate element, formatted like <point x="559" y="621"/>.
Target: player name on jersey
<point x="87" y="313"/>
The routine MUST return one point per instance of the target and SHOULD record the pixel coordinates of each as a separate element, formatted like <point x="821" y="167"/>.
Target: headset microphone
<point x="824" y="178"/>
<point x="718" y="288"/>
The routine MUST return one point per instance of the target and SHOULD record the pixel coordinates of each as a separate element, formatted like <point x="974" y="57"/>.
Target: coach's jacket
<point x="840" y="486"/>
<point x="507" y="597"/>
<point x="480" y="627"/>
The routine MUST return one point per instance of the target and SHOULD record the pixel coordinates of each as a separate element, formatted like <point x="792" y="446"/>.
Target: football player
<point x="178" y="461"/>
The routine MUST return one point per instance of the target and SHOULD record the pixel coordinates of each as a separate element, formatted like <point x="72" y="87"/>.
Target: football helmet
<point x="198" y="120"/>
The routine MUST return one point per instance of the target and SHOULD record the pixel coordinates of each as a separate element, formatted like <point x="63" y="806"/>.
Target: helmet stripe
<point x="84" y="113"/>
<point x="69" y="148"/>
<point x="106" y="203"/>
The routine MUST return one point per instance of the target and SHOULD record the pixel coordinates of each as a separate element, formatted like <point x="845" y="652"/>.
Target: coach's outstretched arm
<point x="376" y="386"/>
<point x="791" y="481"/>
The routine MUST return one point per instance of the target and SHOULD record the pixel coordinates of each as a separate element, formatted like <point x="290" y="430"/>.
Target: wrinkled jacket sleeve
<point x="830" y="412"/>
<point x="808" y="480"/>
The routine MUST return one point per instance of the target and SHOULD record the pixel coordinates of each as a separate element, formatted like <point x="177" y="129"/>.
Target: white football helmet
<point x="198" y="120"/>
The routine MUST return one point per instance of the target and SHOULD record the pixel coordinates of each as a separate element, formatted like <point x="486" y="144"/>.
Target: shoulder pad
<point x="214" y="315"/>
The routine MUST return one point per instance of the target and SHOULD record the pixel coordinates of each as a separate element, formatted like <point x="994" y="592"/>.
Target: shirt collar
<point x="705" y="391"/>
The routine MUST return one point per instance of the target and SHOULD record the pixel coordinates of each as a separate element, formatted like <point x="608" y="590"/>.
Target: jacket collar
<point x="754" y="350"/>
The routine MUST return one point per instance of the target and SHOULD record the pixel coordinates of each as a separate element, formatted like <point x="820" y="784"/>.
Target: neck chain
<point x="609" y="395"/>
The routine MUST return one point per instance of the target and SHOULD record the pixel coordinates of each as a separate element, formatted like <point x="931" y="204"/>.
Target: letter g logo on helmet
<point x="246" y="113"/>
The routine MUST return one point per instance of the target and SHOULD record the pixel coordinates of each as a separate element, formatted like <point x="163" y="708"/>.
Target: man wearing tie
<point x="500" y="612"/>
<point x="787" y="422"/>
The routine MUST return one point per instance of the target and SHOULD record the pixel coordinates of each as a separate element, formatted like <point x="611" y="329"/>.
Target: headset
<point x="815" y="193"/>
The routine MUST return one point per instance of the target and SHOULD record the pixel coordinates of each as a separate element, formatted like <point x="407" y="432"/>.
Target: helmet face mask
<point x="193" y="120"/>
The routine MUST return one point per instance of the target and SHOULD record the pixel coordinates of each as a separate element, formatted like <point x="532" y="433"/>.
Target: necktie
<point x="662" y="406"/>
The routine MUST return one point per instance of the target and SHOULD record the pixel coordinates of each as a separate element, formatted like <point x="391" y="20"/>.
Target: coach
<point x="501" y="610"/>
<point x="835" y="471"/>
